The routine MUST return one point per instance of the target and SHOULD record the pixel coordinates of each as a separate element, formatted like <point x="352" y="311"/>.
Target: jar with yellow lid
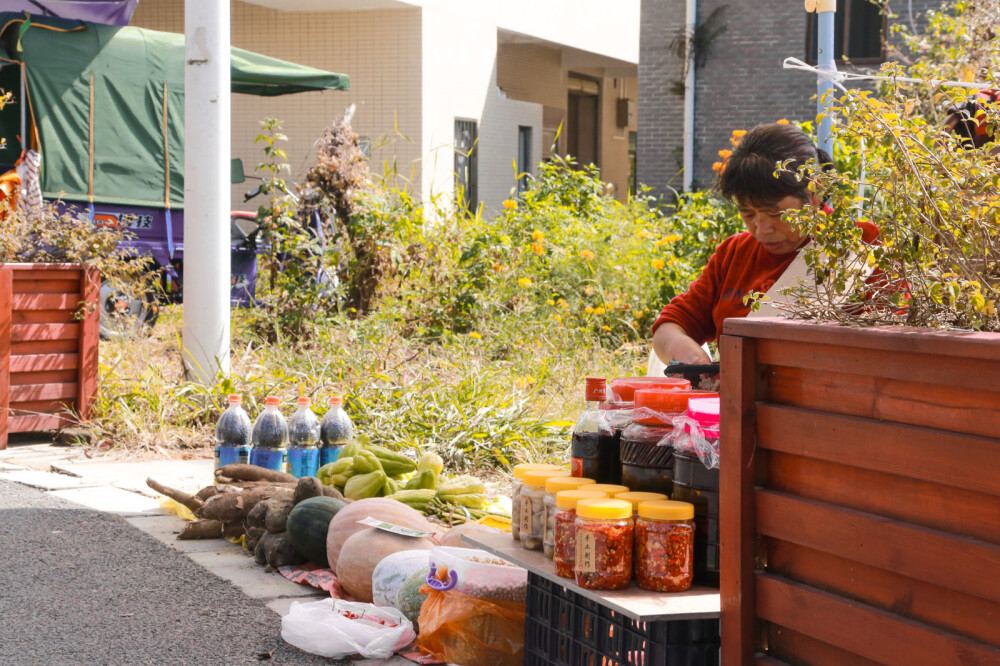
<point x="564" y="550"/>
<point x="552" y="486"/>
<point x="604" y="534"/>
<point x="664" y="540"/>
<point x="636" y="497"/>
<point x="515" y="491"/>
<point x="532" y="510"/>
<point x="609" y="489"/>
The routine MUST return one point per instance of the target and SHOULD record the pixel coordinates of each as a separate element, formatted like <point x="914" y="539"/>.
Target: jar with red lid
<point x="591" y="454"/>
<point x="564" y="548"/>
<point x="604" y="536"/>
<point x="647" y="456"/>
<point x="664" y="542"/>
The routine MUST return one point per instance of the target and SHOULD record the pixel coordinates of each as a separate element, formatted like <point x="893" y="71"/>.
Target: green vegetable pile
<point x="367" y="470"/>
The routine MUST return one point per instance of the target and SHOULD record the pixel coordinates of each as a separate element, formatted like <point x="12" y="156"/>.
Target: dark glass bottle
<point x="593" y="438"/>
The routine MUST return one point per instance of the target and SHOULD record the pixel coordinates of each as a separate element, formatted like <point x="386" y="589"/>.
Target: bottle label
<point x="228" y="455"/>
<point x="303" y="462"/>
<point x="586" y="551"/>
<point x="525" y="515"/>
<point x="269" y="458"/>
<point x="329" y="454"/>
<point x="576" y="467"/>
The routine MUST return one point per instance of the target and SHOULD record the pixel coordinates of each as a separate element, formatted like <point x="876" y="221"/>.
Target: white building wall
<point x="498" y="142"/>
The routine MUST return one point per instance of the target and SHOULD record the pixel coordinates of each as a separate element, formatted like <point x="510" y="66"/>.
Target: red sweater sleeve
<point x="692" y="310"/>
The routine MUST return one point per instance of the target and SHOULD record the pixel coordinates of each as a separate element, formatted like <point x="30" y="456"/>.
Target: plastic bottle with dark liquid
<point x="270" y="435"/>
<point x="303" y="440"/>
<point x="336" y="430"/>
<point x="232" y="434"/>
<point x="593" y="438"/>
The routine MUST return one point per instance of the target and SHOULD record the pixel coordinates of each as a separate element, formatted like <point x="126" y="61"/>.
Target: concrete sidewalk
<point x="110" y="484"/>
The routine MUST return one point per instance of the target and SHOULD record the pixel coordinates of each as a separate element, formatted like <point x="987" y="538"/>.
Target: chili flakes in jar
<point x="604" y="533"/>
<point x="664" y="541"/>
<point x="564" y="548"/>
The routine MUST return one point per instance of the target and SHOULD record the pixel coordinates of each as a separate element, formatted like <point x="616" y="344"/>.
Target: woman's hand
<point x="672" y="343"/>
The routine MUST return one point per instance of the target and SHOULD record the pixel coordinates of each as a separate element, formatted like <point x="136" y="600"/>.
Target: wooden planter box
<point x="48" y="352"/>
<point x="860" y="508"/>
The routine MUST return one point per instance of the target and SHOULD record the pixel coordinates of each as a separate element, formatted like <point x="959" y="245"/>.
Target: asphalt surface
<point x="83" y="587"/>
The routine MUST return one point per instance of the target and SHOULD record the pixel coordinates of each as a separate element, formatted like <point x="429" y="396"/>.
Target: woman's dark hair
<point x="749" y="175"/>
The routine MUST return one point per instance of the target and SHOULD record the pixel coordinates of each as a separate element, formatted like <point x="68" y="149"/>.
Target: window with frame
<point x="523" y="158"/>
<point x="858" y="27"/>
<point x="466" y="136"/>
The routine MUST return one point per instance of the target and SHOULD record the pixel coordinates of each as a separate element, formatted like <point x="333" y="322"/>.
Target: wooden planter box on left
<point x="48" y="345"/>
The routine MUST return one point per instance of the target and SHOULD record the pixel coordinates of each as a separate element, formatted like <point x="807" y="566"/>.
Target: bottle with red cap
<point x="270" y="436"/>
<point x="303" y="440"/>
<point x="232" y="434"/>
<point x="593" y="438"/>
<point x="336" y="430"/>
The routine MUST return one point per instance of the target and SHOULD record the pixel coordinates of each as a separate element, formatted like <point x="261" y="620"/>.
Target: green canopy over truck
<point x="105" y="105"/>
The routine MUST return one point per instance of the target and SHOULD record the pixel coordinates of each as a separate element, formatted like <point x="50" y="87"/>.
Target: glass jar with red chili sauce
<point x="553" y="486"/>
<point x="604" y="534"/>
<point x="664" y="540"/>
<point x="564" y="548"/>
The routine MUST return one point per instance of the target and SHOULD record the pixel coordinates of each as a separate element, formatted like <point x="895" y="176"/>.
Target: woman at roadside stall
<point x="752" y="261"/>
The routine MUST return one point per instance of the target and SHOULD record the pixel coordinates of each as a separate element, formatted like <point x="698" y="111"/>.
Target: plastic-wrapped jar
<point x="552" y="486"/>
<point x="564" y="551"/>
<point x="664" y="540"/>
<point x="532" y="509"/>
<point x="646" y="464"/>
<point x="604" y="532"/>
<point x="635" y="497"/>
<point x="515" y="491"/>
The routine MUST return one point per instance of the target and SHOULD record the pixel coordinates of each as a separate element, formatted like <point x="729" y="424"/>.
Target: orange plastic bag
<point x="460" y="629"/>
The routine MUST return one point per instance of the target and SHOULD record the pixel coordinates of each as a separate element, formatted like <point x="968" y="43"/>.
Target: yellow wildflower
<point x="537" y="235"/>
<point x="557" y="318"/>
<point x="586" y="255"/>
<point x="783" y="121"/>
<point x="475" y="335"/>
<point x="510" y="204"/>
<point x="724" y="154"/>
<point x="718" y="167"/>
<point x="550" y="302"/>
<point x="589" y="310"/>
<point x="738" y="134"/>
<point x="538" y="248"/>
<point x="498" y="267"/>
<point x="672" y="238"/>
<point x="505" y="239"/>
<point x="643" y="234"/>
<point x="599" y="311"/>
<point x="605" y="328"/>
<point x="672" y="261"/>
<point x="562" y="303"/>
<point x="657" y="264"/>
<point x="524" y="282"/>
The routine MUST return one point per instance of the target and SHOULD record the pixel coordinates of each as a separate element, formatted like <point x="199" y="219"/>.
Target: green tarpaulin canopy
<point x="106" y="102"/>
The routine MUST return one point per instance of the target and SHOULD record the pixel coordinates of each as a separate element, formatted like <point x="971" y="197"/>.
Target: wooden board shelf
<point x="695" y="604"/>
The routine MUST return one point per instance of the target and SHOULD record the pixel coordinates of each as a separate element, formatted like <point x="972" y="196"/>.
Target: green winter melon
<point x="409" y="599"/>
<point x="308" y="524"/>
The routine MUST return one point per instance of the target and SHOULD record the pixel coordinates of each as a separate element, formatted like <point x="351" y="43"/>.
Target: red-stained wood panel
<point x="904" y="366"/>
<point x="47" y="301"/>
<point x="33" y="347"/>
<point x="51" y="286"/>
<point x="739" y="393"/>
<point x="73" y="273"/>
<point x="20" y="269"/>
<point x="43" y="377"/>
<point x="35" y="332"/>
<point x="28" y="407"/>
<point x="44" y="362"/>
<point x="917" y="452"/>
<point x="38" y="422"/>
<point x="960" y="613"/>
<point x="784" y="643"/>
<point x="972" y="409"/>
<point x="89" y="341"/>
<point x="6" y="283"/>
<point x="958" y="563"/>
<point x="860" y="629"/>
<point x="964" y="512"/>
<point x="43" y="392"/>
<point x="44" y="317"/>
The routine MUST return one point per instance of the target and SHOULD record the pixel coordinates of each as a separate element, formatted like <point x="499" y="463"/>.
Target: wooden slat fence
<point x="48" y="345"/>
<point x="860" y="499"/>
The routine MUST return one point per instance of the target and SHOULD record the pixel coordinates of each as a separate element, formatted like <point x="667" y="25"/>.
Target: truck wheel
<point x="123" y="315"/>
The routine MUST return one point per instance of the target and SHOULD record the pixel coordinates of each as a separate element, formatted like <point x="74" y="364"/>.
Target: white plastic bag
<point x="337" y="628"/>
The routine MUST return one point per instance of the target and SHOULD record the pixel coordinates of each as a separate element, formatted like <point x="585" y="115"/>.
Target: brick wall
<point x="741" y="84"/>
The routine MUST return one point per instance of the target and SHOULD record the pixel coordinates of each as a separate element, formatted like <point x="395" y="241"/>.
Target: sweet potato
<point x="308" y="486"/>
<point x="235" y="506"/>
<point x="276" y="550"/>
<point x="190" y="501"/>
<point x="245" y="472"/>
<point x="277" y="514"/>
<point x="202" y="529"/>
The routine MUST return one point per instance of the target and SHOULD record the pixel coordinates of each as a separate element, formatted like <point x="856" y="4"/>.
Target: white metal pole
<point x="826" y="11"/>
<point x="688" y="135"/>
<point x="206" y="188"/>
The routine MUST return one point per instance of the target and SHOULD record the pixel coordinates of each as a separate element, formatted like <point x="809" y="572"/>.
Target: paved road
<point x="83" y="587"/>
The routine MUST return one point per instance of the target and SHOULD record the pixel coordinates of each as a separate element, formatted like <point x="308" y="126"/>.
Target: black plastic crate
<point x="563" y="628"/>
